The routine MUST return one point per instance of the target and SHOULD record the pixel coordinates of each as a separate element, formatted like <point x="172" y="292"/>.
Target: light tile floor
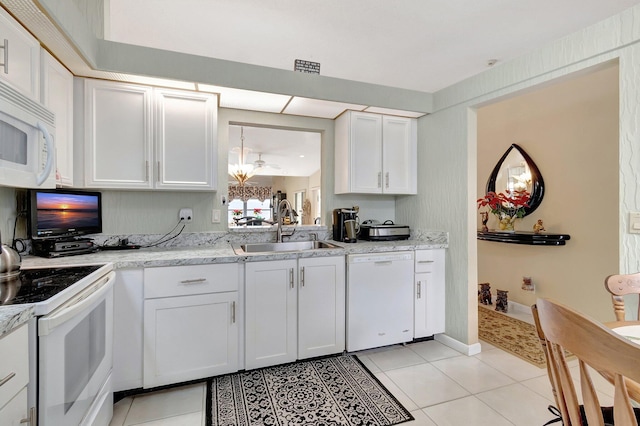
<point x="437" y="384"/>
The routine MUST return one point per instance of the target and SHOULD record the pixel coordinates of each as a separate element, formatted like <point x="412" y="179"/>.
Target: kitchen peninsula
<point x="145" y="283"/>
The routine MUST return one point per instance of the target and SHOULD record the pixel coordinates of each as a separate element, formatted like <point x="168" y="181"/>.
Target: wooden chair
<point x="563" y="329"/>
<point x="619" y="286"/>
<point x="552" y="369"/>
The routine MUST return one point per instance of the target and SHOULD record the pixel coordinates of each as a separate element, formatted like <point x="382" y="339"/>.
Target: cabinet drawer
<point x="426" y="260"/>
<point x="188" y="280"/>
<point x="14" y="348"/>
<point x="16" y="410"/>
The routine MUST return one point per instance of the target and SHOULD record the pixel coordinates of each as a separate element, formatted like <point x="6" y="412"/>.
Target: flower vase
<point x="506" y="223"/>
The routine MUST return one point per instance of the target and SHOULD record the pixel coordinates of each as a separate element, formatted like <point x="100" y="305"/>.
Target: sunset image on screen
<point x="51" y="201"/>
<point x="59" y="211"/>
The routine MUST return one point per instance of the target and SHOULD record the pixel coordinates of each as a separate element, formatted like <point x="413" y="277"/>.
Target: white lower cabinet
<point x="271" y="313"/>
<point x="429" y="294"/>
<point x="190" y="323"/>
<point x="14" y="378"/>
<point x="295" y="309"/>
<point x="321" y="306"/>
<point x="128" y="302"/>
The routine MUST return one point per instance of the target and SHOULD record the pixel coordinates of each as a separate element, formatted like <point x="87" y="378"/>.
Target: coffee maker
<point x="345" y="224"/>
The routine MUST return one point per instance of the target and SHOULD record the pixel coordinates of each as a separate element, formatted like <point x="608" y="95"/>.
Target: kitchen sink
<point x="279" y="247"/>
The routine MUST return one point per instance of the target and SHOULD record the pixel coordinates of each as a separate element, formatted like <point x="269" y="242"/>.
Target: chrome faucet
<point x="283" y="206"/>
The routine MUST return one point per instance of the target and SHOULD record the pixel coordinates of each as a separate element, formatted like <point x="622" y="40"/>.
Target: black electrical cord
<point x="168" y="239"/>
<point x="15" y="241"/>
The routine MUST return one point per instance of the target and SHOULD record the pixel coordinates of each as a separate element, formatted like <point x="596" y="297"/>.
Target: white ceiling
<point x="423" y="45"/>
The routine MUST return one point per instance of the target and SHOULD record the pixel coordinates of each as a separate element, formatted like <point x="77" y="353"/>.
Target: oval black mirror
<point x="516" y="171"/>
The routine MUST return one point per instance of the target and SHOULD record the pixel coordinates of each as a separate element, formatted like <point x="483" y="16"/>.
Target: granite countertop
<point x="218" y="252"/>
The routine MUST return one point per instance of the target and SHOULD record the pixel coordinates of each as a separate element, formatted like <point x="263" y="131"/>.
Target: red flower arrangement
<point x="507" y="206"/>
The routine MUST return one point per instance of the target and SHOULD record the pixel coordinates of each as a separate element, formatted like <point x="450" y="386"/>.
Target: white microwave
<point x="27" y="151"/>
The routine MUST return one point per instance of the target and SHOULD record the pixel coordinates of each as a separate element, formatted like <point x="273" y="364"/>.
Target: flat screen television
<point x="55" y="213"/>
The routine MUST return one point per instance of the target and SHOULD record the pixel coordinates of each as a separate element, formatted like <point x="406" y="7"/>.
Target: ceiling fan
<point x="261" y="164"/>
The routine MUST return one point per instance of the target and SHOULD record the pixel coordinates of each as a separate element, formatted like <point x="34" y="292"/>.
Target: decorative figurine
<point x="485" y="219"/>
<point x="502" y="304"/>
<point x="527" y="285"/>
<point x="484" y="294"/>
<point x="538" y="227"/>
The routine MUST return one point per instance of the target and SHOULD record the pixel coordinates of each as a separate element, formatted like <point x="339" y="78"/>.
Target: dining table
<point x="629" y="330"/>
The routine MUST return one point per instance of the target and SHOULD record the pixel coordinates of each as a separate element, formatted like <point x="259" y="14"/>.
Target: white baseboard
<point x="519" y="308"/>
<point x="463" y="348"/>
<point x="514" y="307"/>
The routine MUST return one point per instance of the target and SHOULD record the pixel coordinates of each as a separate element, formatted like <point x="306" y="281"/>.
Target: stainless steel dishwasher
<point x="379" y="299"/>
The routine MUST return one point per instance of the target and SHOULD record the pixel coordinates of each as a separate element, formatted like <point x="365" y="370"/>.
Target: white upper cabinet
<point x="399" y="155"/>
<point x="375" y="154"/>
<point x="19" y="56"/>
<point x="117" y="135"/>
<point x="185" y="139"/>
<point x="57" y="95"/>
<point x="128" y="146"/>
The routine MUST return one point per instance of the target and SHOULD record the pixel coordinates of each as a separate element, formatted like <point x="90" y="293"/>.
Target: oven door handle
<point x="79" y="303"/>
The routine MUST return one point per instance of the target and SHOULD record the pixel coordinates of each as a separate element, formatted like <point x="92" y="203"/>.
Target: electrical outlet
<point x="215" y="216"/>
<point x="185" y="215"/>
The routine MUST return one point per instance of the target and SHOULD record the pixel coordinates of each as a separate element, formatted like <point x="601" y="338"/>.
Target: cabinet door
<point x="271" y="307"/>
<point x="14" y="348"/>
<point x="429" y="293"/>
<point x="189" y="337"/>
<point x="57" y="95"/>
<point x="399" y="155"/>
<point x="321" y="306"/>
<point x="185" y="140"/>
<point x="22" y="55"/>
<point x="358" y="153"/>
<point x="118" y="135"/>
<point x="366" y="153"/>
<point x="16" y="411"/>
<point x="128" y="305"/>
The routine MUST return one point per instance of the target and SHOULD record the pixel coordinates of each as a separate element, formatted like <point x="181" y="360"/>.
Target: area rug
<point x="510" y="334"/>
<point x="336" y="391"/>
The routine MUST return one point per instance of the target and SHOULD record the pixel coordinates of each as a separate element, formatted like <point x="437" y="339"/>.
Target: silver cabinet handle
<point x="146" y="170"/>
<point x="419" y="291"/>
<point x="425" y="261"/>
<point x="379" y="179"/>
<point x="158" y="179"/>
<point x="5" y="63"/>
<point x="195" y="281"/>
<point x="6" y="379"/>
<point x="386" y="177"/>
<point x="233" y="312"/>
<point x="31" y="420"/>
<point x="383" y="262"/>
<point x="302" y="277"/>
<point x="291" y="277"/>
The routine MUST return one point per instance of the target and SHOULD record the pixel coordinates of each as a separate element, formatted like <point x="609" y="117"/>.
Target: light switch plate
<point x="634" y="223"/>
<point x="215" y="216"/>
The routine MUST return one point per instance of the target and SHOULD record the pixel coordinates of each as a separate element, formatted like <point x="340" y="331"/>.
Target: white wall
<point x="447" y="147"/>
<point x="570" y="130"/>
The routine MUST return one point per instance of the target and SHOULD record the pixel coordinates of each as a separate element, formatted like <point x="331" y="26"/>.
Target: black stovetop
<point x="37" y="285"/>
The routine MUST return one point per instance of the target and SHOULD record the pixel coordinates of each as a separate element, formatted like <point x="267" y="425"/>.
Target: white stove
<point x="71" y="342"/>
